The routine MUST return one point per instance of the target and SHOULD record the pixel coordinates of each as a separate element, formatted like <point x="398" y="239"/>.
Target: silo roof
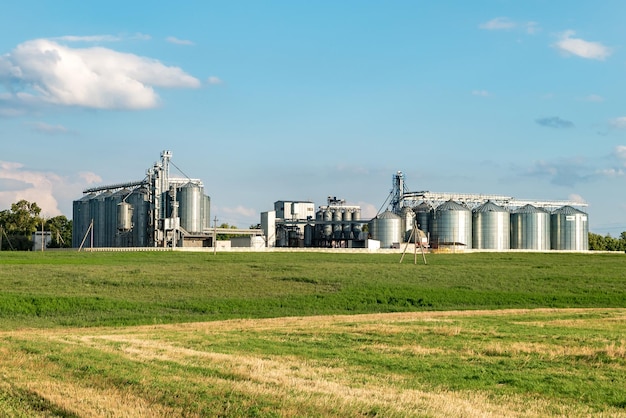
<point x="387" y="215"/>
<point x="489" y="206"/>
<point x="451" y="205"/>
<point x="530" y="209"/>
<point x="568" y="210"/>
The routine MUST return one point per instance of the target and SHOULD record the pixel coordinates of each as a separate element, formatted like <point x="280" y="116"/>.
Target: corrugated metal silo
<point x="309" y="233"/>
<point x="408" y="218"/>
<point x="336" y="224"/>
<point x="191" y="200"/>
<point x="111" y="203"/>
<point x="140" y="201"/>
<point x="97" y="211"/>
<point x="451" y="226"/>
<point x="81" y="219"/>
<point x="346" y="226"/>
<point x="530" y="229"/>
<point x="569" y="229"/>
<point x="491" y="225"/>
<point x="386" y="228"/>
<point x="328" y="227"/>
<point x="423" y="213"/>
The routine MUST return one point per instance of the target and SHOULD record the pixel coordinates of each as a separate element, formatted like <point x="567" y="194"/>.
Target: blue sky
<point x="298" y="100"/>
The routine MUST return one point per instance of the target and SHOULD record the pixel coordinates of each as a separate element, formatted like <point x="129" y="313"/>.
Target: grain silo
<point x="530" y="229"/>
<point x="569" y="229"/>
<point x="491" y="227"/>
<point x="451" y="225"/>
<point x="386" y="228"/>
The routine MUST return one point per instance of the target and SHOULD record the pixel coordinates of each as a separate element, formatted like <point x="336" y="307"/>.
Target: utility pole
<point x="215" y="235"/>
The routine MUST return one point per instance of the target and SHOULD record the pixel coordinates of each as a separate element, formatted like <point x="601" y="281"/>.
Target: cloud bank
<point x="45" y="188"/>
<point x="504" y="23"/>
<point x="43" y="72"/>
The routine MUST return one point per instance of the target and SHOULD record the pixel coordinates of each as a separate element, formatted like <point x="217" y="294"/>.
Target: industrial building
<point x="158" y="211"/>
<point x="483" y="222"/>
<point x="438" y="220"/>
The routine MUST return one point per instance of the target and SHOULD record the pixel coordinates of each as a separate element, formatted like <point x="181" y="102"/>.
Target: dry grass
<point x="298" y="386"/>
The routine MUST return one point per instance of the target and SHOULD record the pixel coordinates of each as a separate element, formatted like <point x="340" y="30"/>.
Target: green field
<point x="276" y="334"/>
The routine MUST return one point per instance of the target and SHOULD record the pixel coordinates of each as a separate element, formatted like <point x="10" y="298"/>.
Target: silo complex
<point x="387" y="228"/>
<point x="530" y="229"/>
<point x="157" y="211"/>
<point x="451" y="225"/>
<point x="491" y="227"/>
<point x="569" y="229"/>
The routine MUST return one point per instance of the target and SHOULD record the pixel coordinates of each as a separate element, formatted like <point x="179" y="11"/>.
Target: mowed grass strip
<point x="540" y="362"/>
<point x="53" y="289"/>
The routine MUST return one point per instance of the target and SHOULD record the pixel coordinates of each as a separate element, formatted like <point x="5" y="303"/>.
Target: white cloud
<point x="576" y="198"/>
<point x="45" y="128"/>
<point x="47" y="189"/>
<point x="481" y="93"/>
<point x="620" y="153"/>
<point x="499" y="23"/>
<point x="45" y="72"/>
<point x="569" y="45"/>
<point x="594" y="98"/>
<point x="174" y="40"/>
<point x="611" y="172"/>
<point x="619" y="123"/>
<point x="504" y="23"/>
<point x="215" y="80"/>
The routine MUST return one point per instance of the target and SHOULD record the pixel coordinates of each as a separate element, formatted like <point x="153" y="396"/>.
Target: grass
<point x="254" y="334"/>
<point x="94" y="289"/>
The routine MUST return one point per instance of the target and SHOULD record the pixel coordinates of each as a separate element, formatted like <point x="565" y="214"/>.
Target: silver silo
<point x="111" y="216"/>
<point x="451" y="226"/>
<point x="140" y="234"/>
<point x="206" y="212"/>
<point x="530" y="229"/>
<point x="356" y="226"/>
<point x="346" y="226"/>
<point x="386" y="228"/>
<point x="491" y="225"/>
<point x="191" y="201"/>
<point x="309" y="233"/>
<point x="569" y="229"/>
<point x="328" y="227"/>
<point x="97" y="211"/>
<point x="124" y="217"/>
<point x="408" y="218"/>
<point x="423" y="213"/>
<point x="336" y="224"/>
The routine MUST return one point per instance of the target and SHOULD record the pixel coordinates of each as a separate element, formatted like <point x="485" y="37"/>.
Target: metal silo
<point x="328" y="227"/>
<point x="141" y="229"/>
<point x="569" y="229"/>
<point x="530" y="229"/>
<point x="124" y="217"/>
<point x="386" y="228"/>
<point x="81" y="219"/>
<point x="356" y="226"/>
<point x="336" y="224"/>
<point x="191" y="201"/>
<point x="491" y="225"/>
<point x="309" y="233"/>
<point x="451" y="226"/>
<point x="408" y="219"/>
<point x="97" y="212"/>
<point x="423" y="213"/>
<point x="346" y="226"/>
<point x="111" y="203"/>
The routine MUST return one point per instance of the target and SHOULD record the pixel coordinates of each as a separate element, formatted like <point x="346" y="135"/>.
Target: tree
<point x="61" y="230"/>
<point x="223" y="237"/>
<point x="18" y="224"/>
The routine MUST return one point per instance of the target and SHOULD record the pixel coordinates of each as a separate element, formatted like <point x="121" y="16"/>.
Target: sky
<point x="301" y="100"/>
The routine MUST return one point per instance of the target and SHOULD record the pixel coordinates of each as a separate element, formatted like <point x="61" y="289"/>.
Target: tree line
<point x="18" y="224"/>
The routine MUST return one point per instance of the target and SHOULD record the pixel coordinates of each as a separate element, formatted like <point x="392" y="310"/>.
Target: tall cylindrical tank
<point x="386" y="228"/>
<point x="337" y="215"/>
<point x="206" y="212"/>
<point x="423" y="213"/>
<point x="408" y="219"/>
<point x="346" y="224"/>
<point x="356" y="226"/>
<point x="111" y="216"/>
<point x="569" y="229"/>
<point x="141" y="233"/>
<point x="191" y="201"/>
<point x="451" y="226"/>
<point x="530" y="229"/>
<point x="309" y="233"/>
<point x="124" y="217"/>
<point x="97" y="211"/>
<point x="81" y="219"/>
<point x="328" y="227"/>
<point x="491" y="226"/>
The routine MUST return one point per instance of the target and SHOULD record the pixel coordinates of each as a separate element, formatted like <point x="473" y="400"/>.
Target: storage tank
<point x="346" y="225"/>
<point x="569" y="229"/>
<point x="386" y="228"/>
<point x="81" y="219"/>
<point x="408" y="218"/>
<point x="309" y="233"/>
<point x="97" y="211"/>
<point x="423" y="213"/>
<point x="141" y="233"/>
<point x="336" y="224"/>
<point x="356" y="226"/>
<point x="190" y="204"/>
<point x="491" y="226"/>
<point x="530" y="229"/>
<point x="328" y="227"/>
<point x="124" y="217"/>
<point x="451" y="226"/>
<point x="111" y="203"/>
